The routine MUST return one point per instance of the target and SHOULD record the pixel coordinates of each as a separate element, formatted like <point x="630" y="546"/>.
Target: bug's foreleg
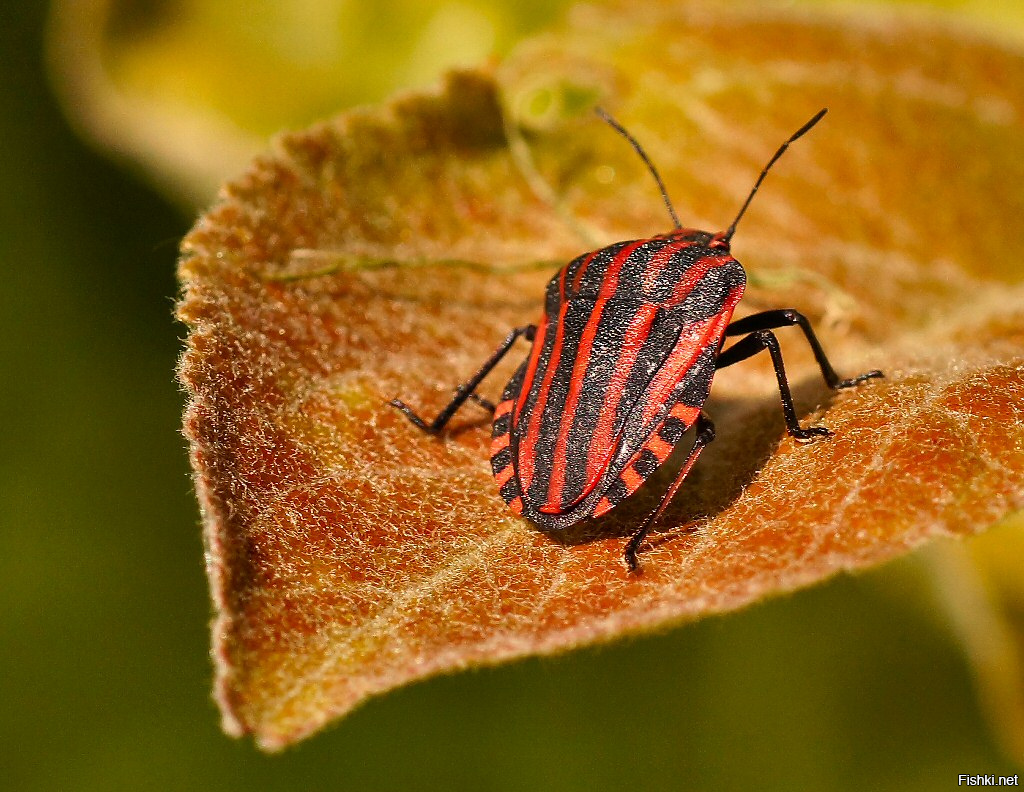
<point x="466" y="390"/>
<point x="757" y="342"/>
<point x="771" y="320"/>
<point x="705" y="434"/>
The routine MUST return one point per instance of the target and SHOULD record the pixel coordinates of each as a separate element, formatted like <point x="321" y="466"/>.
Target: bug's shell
<point x="621" y="363"/>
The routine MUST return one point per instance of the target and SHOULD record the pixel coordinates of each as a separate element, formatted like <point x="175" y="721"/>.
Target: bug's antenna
<point x="798" y="134"/>
<point x="650" y="165"/>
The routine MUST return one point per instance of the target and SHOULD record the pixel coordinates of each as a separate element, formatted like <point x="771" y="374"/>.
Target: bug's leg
<point x="705" y="434"/>
<point x="770" y="320"/>
<point x="465" y="391"/>
<point x="485" y="403"/>
<point x="751" y="345"/>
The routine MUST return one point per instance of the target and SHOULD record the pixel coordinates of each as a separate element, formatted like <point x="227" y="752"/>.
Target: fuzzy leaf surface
<point x="387" y="254"/>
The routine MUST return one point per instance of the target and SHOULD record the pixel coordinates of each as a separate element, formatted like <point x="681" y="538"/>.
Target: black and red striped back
<point x="621" y="362"/>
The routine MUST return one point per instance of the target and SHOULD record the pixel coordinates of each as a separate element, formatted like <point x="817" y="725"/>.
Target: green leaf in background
<point x="191" y="89"/>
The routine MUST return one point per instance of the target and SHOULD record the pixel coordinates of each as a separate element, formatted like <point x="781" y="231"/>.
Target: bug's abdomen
<point x="627" y="344"/>
<point x="569" y="447"/>
<point x="600" y="452"/>
<point x="603" y="354"/>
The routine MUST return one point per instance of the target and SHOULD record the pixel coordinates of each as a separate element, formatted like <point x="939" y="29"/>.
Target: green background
<point x="104" y="610"/>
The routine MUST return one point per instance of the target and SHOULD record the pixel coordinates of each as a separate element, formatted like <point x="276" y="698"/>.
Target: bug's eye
<point x="719" y="241"/>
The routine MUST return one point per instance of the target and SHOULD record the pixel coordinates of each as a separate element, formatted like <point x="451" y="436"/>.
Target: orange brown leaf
<point x="388" y="252"/>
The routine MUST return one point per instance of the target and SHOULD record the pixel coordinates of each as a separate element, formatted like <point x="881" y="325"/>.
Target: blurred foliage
<point x="105" y="676"/>
<point x="191" y="89"/>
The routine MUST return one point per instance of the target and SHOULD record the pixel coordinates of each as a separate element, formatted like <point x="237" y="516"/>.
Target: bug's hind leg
<point x="485" y="403"/>
<point x="466" y="390"/>
<point x="705" y="434"/>
<point x="772" y="320"/>
<point x="757" y="342"/>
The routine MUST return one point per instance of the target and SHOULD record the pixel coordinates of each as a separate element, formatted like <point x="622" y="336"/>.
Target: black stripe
<point x="708" y="295"/>
<point x="550" y="423"/>
<point x="502" y="425"/>
<point x="594" y="277"/>
<point x="695" y="386"/>
<point x="674" y="271"/>
<point x="605" y="357"/>
<point x="646" y="464"/>
<point x="501" y="460"/>
<point x="510" y="490"/>
<point x="617" y="492"/>
<point x="672" y="430"/>
<point x="631" y="276"/>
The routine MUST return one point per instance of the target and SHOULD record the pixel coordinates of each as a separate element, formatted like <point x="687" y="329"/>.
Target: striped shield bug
<point x="620" y="366"/>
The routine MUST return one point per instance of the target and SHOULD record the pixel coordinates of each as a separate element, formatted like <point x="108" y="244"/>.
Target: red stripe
<point x="531" y="368"/>
<point x="528" y="445"/>
<point x="631" y="478"/>
<point x="639" y="329"/>
<point x="502" y="408"/>
<point x="679" y="361"/>
<point x="503" y="476"/>
<point x="660" y="260"/>
<point x="499" y="443"/>
<point x="659" y="447"/>
<point x="578" y="277"/>
<point x="698" y="337"/>
<point x="608" y="286"/>
<point x="597" y="461"/>
<point x="685" y="413"/>
<point x="699" y="269"/>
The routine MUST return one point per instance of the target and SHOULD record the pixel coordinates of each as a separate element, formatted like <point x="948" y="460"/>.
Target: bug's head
<point x="720" y="241"/>
<point x="703" y="238"/>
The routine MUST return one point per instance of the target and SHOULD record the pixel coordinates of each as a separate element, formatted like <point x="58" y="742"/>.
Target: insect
<point x="620" y="366"/>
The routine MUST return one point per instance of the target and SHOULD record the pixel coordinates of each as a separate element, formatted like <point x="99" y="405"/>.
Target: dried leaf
<point x="387" y="253"/>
